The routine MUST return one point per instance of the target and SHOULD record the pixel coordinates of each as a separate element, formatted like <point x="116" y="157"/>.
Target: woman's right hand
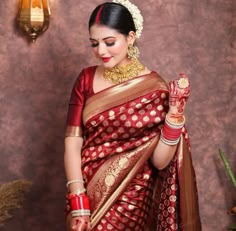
<point x="81" y="223"/>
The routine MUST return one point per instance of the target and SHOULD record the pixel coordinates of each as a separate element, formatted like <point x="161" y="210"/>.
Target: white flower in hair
<point x="136" y="14"/>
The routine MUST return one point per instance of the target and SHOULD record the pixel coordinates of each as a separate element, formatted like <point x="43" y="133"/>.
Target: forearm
<point x="77" y="200"/>
<point x="163" y="154"/>
<point x="169" y="138"/>
<point x="72" y="162"/>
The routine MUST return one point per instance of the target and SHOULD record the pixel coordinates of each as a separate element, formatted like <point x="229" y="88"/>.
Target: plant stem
<point x="227" y="166"/>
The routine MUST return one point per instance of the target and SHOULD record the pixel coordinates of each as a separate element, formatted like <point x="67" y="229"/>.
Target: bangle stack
<point x="79" y="204"/>
<point x="77" y="201"/>
<point x="170" y="133"/>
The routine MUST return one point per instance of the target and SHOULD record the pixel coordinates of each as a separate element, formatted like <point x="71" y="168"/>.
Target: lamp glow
<point x="33" y="17"/>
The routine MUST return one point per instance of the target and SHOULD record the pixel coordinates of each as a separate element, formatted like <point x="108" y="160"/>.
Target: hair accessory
<point x="73" y="181"/>
<point x="121" y="73"/>
<point x="133" y="51"/>
<point x="136" y="15"/>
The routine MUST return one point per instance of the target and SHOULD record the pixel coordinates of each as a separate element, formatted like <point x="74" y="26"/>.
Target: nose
<point x="101" y="49"/>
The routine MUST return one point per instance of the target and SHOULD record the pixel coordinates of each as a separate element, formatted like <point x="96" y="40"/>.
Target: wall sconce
<point x="33" y="17"/>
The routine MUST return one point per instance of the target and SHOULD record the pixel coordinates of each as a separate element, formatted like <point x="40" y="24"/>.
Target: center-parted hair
<point x="114" y="16"/>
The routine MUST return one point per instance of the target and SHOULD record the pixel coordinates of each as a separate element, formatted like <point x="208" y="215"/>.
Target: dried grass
<point x="12" y="197"/>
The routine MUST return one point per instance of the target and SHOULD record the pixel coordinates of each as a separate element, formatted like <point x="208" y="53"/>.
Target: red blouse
<point x="82" y="89"/>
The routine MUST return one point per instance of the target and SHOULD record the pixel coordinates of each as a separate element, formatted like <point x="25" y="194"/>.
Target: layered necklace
<point x="119" y="74"/>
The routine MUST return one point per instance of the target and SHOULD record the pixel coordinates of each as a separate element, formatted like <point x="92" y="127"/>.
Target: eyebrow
<point x="91" y="39"/>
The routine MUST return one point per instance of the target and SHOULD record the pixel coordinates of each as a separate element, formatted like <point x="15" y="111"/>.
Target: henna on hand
<point x="82" y="223"/>
<point x="79" y="223"/>
<point x="179" y="93"/>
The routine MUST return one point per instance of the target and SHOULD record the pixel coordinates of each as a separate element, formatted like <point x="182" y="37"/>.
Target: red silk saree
<point x="121" y="127"/>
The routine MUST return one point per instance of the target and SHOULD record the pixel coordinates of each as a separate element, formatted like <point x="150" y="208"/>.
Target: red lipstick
<point x="106" y="59"/>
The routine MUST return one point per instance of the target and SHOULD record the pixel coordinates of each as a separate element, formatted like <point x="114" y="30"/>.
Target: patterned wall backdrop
<point x="197" y="37"/>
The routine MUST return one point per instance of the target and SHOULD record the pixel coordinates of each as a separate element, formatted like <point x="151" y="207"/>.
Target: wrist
<point x="78" y="204"/>
<point x="172" y="129"/>
<point x="175" y="118"/>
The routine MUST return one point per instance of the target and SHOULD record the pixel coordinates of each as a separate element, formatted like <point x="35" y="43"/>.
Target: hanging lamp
<point x="33" y="17"/>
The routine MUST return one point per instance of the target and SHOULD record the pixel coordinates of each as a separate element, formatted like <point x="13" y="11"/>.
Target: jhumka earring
<point x="133" y="52"/>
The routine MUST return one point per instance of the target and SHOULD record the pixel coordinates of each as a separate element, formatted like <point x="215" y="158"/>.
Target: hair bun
<point x="136" y="15"/>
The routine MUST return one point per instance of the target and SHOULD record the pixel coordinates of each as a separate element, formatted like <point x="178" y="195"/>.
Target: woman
<point x="127" y="159"/>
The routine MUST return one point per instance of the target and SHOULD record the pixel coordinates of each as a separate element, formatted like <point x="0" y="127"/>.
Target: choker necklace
<point x="119" y="74"/>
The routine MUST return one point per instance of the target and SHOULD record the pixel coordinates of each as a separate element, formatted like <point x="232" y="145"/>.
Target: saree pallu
<point x="121" y="128"/>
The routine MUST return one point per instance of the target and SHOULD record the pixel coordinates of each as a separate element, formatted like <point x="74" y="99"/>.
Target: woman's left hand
<point x="80" y="223"/>
<point x="179" y="91"/>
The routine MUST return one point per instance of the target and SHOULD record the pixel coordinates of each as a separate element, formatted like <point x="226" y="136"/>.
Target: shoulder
<point x="84" y="81"/>
<point x="85" y="74"/>
<point x="155" y="75"/>
<point x="159" y="79"/>
<point x="87" y="71"/>
<point x="90" y="69"/>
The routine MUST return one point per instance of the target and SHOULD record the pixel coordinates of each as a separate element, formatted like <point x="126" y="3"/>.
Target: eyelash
<point x="108" y="44"/>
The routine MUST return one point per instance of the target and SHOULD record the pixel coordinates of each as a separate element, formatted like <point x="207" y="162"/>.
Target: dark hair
<point x="114" y="16"/>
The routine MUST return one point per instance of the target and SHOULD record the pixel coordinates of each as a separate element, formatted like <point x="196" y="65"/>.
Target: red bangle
<point x="170" y="133"/>
<point x="79" y="202"/>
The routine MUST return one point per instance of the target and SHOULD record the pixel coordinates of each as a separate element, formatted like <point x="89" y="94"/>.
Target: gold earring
<point x="133" y="52"/>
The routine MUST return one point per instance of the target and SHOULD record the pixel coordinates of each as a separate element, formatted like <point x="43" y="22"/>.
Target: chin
<point x="108" y="65"/>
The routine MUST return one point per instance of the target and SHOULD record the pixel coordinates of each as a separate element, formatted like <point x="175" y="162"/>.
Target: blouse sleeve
<point x="74" y="126"/>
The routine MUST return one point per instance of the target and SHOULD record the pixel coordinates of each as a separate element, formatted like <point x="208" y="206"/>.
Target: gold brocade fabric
<point x="121" y="129"/>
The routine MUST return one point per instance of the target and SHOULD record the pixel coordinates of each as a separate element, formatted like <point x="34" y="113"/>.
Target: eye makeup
<point x="110" y="41"/>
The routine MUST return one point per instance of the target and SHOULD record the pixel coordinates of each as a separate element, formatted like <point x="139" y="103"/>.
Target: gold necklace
<point x="119" y="74"/>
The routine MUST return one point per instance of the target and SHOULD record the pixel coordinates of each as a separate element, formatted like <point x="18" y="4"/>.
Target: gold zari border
<point x="188" y="189"/>
<point x="122" y="93"/>
<point x="128" y="169"/>
<point x="73" y="131"/>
